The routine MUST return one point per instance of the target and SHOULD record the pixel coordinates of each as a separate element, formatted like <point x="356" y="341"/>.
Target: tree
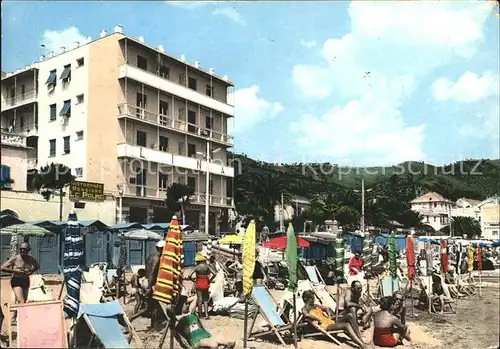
<point x="464" y="226"/>
<point x="51" y="180"/>
<point x="178" y="196"/>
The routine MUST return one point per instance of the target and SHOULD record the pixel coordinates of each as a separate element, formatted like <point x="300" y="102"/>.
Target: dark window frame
<point x="52" y="151"/>
<point x="142" y="62"/>
<point x="66" y="74"/>
<point x="66" y="109"/>
<point x="191" y="151"/>
<point x="66" y="145"/>
<point x="52" y="79"/>
<point x="53" y="112"/>
<point x="139" y="132"/>
<point x="192" y="83"/>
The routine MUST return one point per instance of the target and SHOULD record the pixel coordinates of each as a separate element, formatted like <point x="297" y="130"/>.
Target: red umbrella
<point x="279" y="243"/>
<point x="410" y="258"/>
<point x="479" y="258"/>
<point x="444" y="257"/>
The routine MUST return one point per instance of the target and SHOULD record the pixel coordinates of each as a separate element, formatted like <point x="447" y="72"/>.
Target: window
<point x="427" y="219"/>
<point x="79" y="99"/>
<point x="52" y="148"/>
<point x="192" y="183"/>
<point x="208" y="122"/>
<point x="435" y="220"/>
<point x="5" y="177"/>
<point x="209" y="91"/>
<point x="79" y="172"/>
<point x="163" y="107"/>
<point x="211" y="188"/>
<point x="191" y="150"/>
<point x="66" y="145"/>
<point x="435" y="204"/>
<point x="80" y="62"/>
<point x="52" y="79"/>
<point x="66" y="74"/>
<point x="142" y="63"/>
<point x="192" y="83"/>
<point x="53" y="114"/>
<point x="182" y="79"/>
<point x="21" y="121"/>
<point x="140" y="176"/>
<point x="23" y="91"/>
<point x="141" y="138"/>
<point x="191" y="121"/>
<point x="163" y="181"/>
<point x="13" y="92"/>
<point x="182" y="150"/>
<point x="66" y="109"/>
<point x="163" y="143"/>
<point x="164" y="72"/>
<point x="79" y="135"/>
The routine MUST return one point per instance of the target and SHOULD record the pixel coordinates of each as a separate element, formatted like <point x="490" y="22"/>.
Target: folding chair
<point x="426" y="297"/>
<point x="101" y="323"/>
<point x="388" y="286"/>
<point x="309" y="329"/>
<point x="266" y="306"/>
<point x="314" y="274"/>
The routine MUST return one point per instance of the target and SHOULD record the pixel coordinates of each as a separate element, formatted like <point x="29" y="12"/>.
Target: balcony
<point x="26" y="130"/>
<point x="162" y="157"/>
<point x="156" y="193"/>
<point x="174" y="124"/>
<point x="163" y="84"/>
<point x="19" y="100"/>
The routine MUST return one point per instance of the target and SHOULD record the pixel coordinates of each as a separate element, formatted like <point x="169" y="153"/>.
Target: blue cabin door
<point x="189" y="253"/>
<point x="48" y="254"/>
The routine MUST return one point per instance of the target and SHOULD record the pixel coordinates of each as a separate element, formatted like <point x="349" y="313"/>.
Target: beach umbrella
<point x="339" y="265"/>
<point x="26" y="229"/>
<point x="169" y="277"/>
<point x="410" y="258"/>
<point x="248" y="260"/>
<point x="281" y="242"/>
<point x="73" y="265"/>
<point x="122" y="259"/>
<point x="291" y="260"/>
<point x="444" y="257"/>
<point x="7" y="219"/>
<point x="479" y="258"/>
<point x="231" y="239"/>
<point x="495" y="243"/>
<point x="367" y="256"/>
<point x="392" y="256"/>
<point x="471" y="258"/>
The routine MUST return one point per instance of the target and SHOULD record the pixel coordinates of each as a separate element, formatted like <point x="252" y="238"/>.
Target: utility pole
<point x="207" y="187"/>
<point x="450" y="221"/>
<point x="363" y="206"/>
<point x="282" y="210"/>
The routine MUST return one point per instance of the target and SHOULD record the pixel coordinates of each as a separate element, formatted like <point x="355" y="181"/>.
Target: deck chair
<point x="89" y="294"/>
<point x="99" y="324"/>
<point x="388" y="286"/>
<point x="314" y="274"/>
<point x="266" y="306"/>
<point x="37" y="292"/>
<point x="434" y="299"/>
<point x="308" y="329"/>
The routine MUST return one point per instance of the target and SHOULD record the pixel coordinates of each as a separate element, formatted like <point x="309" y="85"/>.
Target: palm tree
<point x="464" y="226"/>
<point x="51" y="180"/>
<point x="178" y="196"/>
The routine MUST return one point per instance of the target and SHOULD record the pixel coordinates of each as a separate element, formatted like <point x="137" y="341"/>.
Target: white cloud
<point x="469" y="88"/>
<point x="55" y="39"/>
<point x="375" y="68"/>
<point x="308" y="44"/>
<point x="231" y="13"/>
<point x="251" y="108"/>
<point x="485" y="126"/>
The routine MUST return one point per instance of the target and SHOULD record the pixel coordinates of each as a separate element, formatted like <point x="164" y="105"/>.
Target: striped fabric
<point x="209" y="247"/>
<point x="367" y="256"/>
<point x="72" y="265"/>
<point x="339" y="255"/>
<point x="170" y="272"/>
<point x="248" y="258"/>
<point x="14" y="244"/>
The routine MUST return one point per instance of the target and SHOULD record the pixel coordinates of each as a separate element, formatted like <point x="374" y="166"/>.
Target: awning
<point x="142" y="234"/>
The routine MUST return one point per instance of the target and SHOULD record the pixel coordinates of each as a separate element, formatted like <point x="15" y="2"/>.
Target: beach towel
<point x="170" y="271"/>
<point x="103" y="319"/>
<point x="191" y="329"/>
<point x="72" y="265"/>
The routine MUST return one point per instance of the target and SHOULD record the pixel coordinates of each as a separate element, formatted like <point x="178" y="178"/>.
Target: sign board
<point x="79" y="190"/>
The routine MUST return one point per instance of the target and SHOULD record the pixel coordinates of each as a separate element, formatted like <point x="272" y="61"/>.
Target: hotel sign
<point x="79" y="190"/>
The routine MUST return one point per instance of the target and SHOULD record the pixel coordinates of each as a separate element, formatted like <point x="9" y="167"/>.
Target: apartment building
<point x="128" y="115"/>
<point x="434" y="209"/>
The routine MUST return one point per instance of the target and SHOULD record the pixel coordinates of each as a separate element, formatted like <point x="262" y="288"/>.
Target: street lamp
<point x="363" y="204"/>
<point x="207" y="184"/>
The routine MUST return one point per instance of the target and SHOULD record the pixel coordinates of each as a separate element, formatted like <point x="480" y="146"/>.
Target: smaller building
<point x="295" y="207"/>
<point x="434" y="209"/>
<point x="490" y="218"/>
<point x="465" y="207"/>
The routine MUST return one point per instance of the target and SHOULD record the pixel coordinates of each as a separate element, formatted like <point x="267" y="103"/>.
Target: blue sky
<point x="354" y="83"/>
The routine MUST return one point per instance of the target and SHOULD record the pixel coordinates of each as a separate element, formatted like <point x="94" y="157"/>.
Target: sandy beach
<point x="475" y="324"/>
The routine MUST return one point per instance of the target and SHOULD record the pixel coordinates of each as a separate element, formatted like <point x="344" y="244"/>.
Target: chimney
<point x="197" y="64"/>
<point x="103" y="33"/>
<point x="77" y="44"/>
<point x="225" y="78"/>
<point x="63" y="49"/>
<point x="160" y="48"/>
<point x="42" y="58"/>
<point x="88" y="39"/>
<point x="211" y="71"/>
<point x="51" y="53"/>
<point x="183" y="58"/>
<point x="118" y="28"/>
<point x="141" y="39"/>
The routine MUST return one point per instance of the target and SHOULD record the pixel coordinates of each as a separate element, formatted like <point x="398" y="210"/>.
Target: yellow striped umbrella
<point x="249" y="258"/>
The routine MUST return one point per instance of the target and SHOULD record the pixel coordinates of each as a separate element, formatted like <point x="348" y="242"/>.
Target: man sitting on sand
<point x="21" y="266"/>
<point x="350" y="303"/>
<point x="325" y="318"/>
<point x="398" y="306"/>
<point x="389" y="331"/>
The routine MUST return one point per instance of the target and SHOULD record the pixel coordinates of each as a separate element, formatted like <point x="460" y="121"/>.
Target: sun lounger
<point x="267" y="308"/>
<point x="309" y="329"/>
<point x="388" y="286"/>
<point x="314" y="274"/>
<point x="100" y="323"/>
<point x="434" y="299"/>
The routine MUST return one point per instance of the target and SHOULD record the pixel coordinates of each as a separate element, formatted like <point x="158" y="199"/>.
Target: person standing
<point x="258" y="273"/>
<point x="203" y="278"/>
<point x="21" y="266"/>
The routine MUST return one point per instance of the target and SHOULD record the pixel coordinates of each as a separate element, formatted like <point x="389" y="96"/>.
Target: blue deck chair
<point x="268" y="309"/>
<point x="103" y="322"/>
<point x="313" y="274"/>
<point x="388" y="286"/>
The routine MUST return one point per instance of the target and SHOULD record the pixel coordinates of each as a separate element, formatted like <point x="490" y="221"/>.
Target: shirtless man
<point x="21" y="267"/>
<point x="350" y="303"/>
<point x="389" y="330"/>
<point x="398" y="306"/>
<point x="137" y="290"/>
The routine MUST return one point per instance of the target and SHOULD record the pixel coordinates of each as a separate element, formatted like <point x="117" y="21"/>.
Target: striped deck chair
<point x="267" y="308"/>
<point x="314" y="274"/>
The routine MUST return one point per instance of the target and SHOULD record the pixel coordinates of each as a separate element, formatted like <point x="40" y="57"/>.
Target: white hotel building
<point x="122" y="113"/>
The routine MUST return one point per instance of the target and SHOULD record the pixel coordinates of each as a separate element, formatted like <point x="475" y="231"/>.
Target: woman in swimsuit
<point x="324" y="317"/>
<point x="389" y="330"/>
<point x="202" y="283"/>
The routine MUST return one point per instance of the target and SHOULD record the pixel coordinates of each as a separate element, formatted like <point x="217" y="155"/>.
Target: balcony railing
<point x="26" y="130"/>
<point x="173" y="123"/>
<point x="160" y="193"/>
<point x="24" y="98"/>
<point x="12" y="139"/>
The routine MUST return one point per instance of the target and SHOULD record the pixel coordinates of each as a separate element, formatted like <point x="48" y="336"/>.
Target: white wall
<point x="78" y="120"/>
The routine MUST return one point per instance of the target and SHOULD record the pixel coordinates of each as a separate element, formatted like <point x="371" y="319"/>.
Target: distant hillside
<point x="474" y="179"/>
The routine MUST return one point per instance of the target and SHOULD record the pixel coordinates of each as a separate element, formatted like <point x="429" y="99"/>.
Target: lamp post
<point x="207" y="183"/>
<point x="363" y="204"/>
